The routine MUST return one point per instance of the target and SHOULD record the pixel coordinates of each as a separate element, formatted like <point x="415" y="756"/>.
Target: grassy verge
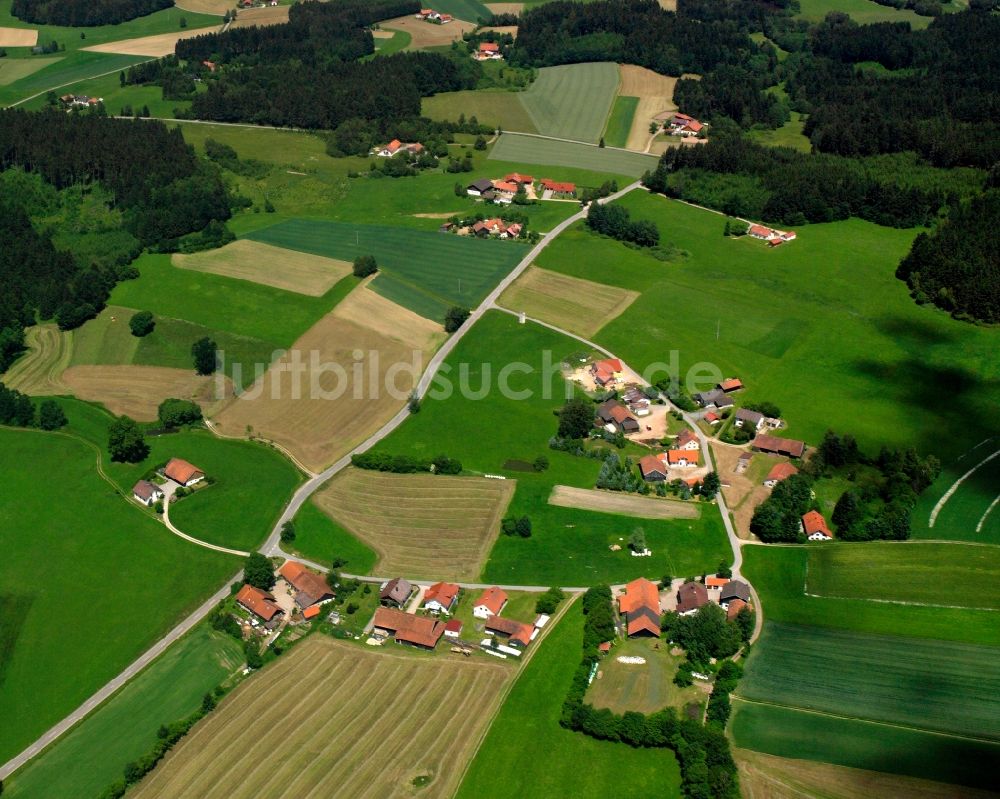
<point x="620" y="122"/>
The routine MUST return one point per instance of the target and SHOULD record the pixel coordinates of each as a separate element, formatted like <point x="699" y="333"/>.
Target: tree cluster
<point x="258" y="571"/>
<point x="779" y="517"/>
<point x="576" y="419"/>
<point x="516" y="525"/>
<point x="175" y="413"/>
<point x="126" y="441"/>
<point x="549" y="601"/>
<point x="615" y="221"/>
<point x="704" y="635"/>
<point x="84" y="13"/>
<point x="618" y="474"/>
<point x="956" y="266"/>
<point x="405" y="464"/>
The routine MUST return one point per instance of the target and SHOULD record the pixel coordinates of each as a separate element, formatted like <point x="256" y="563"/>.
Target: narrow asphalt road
<point x="271" y="545"/>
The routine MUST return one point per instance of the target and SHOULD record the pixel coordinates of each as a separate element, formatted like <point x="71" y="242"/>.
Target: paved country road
<point x="271" y="545"/>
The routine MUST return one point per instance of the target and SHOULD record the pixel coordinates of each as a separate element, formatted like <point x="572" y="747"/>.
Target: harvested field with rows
<point x="18" y="37"/>
<point x="137" y="391"/>
<point x="39" y="371"/>
<point x="155" y="46"/>
<point x="626" y="504"/>
<point x="337" y="720"/>
<point x="423" y="526"/>
<point x="655" y="93"/>
<point x="271" y="15"/>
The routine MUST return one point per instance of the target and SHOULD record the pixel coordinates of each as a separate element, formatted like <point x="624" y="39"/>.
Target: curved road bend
<point x="271" y="545"/>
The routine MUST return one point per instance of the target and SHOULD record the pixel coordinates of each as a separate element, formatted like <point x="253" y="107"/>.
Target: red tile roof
<point x="759" y="230"/>
<point x="651" y="464"/>
<point x="620" y="413"/>
<point x="502" y="185"/>
<point x="443" y="593"/>
<point x="258" y="602"/>
<point x="734" y="607"/>
<point x="639" y="593"/>
<point x="731" y="384"/>
<point x="604" y="646"/>
<point x="813" y="522"/>
<point x="781" y="471"/>
<point x="310" y="612"/>
<point x="613" y="364"/>
<point x="489" y="47"/>
<point x="493" y="598"/>
<point x="694" y="125"/>
<point x="675" y="456"/>
<point x="180" y="471"/>
<point x="685" y="437"/>
<point x="783" y="446"/>
<point x="453" y="626"/>
<point x="559" y="188"/>
<point x="712" y="416"/>
<point x="305" y="581"/>
<point x="517" y="177"/>
<point x="409" y="629"/>
<point x="517" y="631"/>
<point x="716" y="582"/>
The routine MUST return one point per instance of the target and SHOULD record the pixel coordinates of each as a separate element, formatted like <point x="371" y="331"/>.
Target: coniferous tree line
<point x="84" y="13"/>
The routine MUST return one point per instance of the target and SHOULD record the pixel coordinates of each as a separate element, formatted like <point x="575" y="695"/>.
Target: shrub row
<point x="406" y="464"/>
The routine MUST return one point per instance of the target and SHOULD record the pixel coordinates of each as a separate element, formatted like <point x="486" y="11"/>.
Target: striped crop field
<point x="338" y="720"/>
<point x="919" y="683"/>
<point x="420" y="525"/>
<point x="521" y="149"/>
<point x="424" y="271"/>
<point x="572" y="101"/>
<point x="971" y="511"/>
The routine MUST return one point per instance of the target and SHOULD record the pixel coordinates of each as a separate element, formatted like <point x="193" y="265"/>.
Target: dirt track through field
<point x="655" y="93"/>
<point x="424" y="526"/>
<point x="137" y="391"/>
<point x="337" y="719"/>
<point x="271" y="266"/>
<point x="262" y="17"/>
<point x="153" y="46"/>
<point x="320" y="400"/>
<point x="580" y="306"/>
<point x="626" y="504"/>
<point x="18" y="37"/>
<point x="39" y="371"/>
<point x="427" y="34"/>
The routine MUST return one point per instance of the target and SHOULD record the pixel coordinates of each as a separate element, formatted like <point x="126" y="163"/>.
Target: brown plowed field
<point x="655" y="93"/>
<point x="18" y="37"/>
<point x="153" y="46"/>
<point x="421" y="525"/>
<point x="270" y="15"/>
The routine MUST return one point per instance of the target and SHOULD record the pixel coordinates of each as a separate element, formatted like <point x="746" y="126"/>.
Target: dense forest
<point x="142" y="173"/>
<point x="957" y="267"/>
<point x="84" y="12"/>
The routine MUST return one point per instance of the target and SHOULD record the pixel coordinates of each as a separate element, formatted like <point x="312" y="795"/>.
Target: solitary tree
<point x="576" y="419"/>
<point x="203" y="352"/>
<point x="50" y="415"/>
<point x="126" y="442"/>
<point x="455" y="318"/>
<point x="601" y="142"/>
<point x="258" y="572"/>
<point x="365" y="265"/>
<point x="723" y="570"/>
<point x="480" y="143"/>
<point x="287" y="532"/>
<point x="637" y="541"/>
<point x="710" y="485"/>
<point x="177" y="412"/>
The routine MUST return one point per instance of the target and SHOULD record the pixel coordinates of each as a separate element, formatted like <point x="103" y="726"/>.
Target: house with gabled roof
<point x="420" y="631"/>
<point x="734" y="607"/>
<point x="730" y="384"/>
<point x="814" y="526"/>
<point x="516" y="632"/>
<point x="747" y="418"/>
<point x="260" y="603"/>
<point x="682" y="458"/>
<point x="606" y="371"/>
<point x="779" y="472"/>
<point x="640" y="605"/>
<point x="488" y="51"/>
<point x="653" y="468"/>
<point x="517" y="177"/>
<point x="310" y="588"/>
<point x="691" y="597"/>
<point x="686" y="439"/>
<point x="183" y="473"/>
<point x="481" y="187"/>
<point x="395" y="592"/>
<point x="441" y="597"/>
<point x="490" y="603"/>
<point x="734" y="589"/>
<point x="612" y="412"/>
<point x="557" y="187"/>
<point x="716" y="398"/>
<point x="774" y="445"/>
<point x="147" y="493"/>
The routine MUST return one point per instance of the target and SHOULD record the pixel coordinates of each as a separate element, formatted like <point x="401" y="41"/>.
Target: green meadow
<point x="864" y="12"/>
<point x="567" y="547"/>
<point x="542" y="759"/>
<point x="498" y="108"/>
<point x="572" y="101"/>
<point x="805" y="735"/>
<point x="320" y="539"/>
<point x="779" y="575"/>
<point x="124" y="728"/>
<point x="424" y="271"/>
<point x="921" y="683"/>
<point x="535" y="151"/>
<point x="89" y="581"/>
<point x="819" y="326"/>
<point x="469" y="10"/>
<point x="918" y="573"/>
<point x="788" y="135"/>
<point x="253" y="481"/>
<point x="116" y="96"/>
<point x="620" y="122"/>
<point x="972" y="512"/>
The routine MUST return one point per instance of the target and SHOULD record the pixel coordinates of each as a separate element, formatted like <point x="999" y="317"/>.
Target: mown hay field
<point x="424" y="271"/>
<point x="338" y="720"/>
<point x="948" y="575"/>
<point x="12" y="69"/>
<point x="271" y="15"/>
<point x="579" y="306"/>
<point x="137" y="391"/>
<point x="572" y="101"/>
<point x="217" y="7"/>
<point x="427" y="34"/>
<point x="18" y="37"/>
<point x="656" y="95"/>
<point x="500" y="109"/>
<point x="625" y="504"/>
<point x="423" y="526"/>
<point x="520" y="149"/>
<point x="257" y="262"/>
<point x="155" y="46"/>
<point x="39" y="371"/>
<point x="642" y="687"/>
<point x="322" y="410"/>
<point x="925" y="684"/>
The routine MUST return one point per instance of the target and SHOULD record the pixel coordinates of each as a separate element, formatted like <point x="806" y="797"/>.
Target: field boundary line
<point x="502" y="697"/>
<point x="898" y="602"/>
<point x="957" y="736"/>
<point x="956" y="485"/>
<point x="576" y="141"/>
<point x="982" y="519"/>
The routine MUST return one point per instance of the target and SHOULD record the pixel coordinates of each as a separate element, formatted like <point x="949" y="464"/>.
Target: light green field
<point x="319" y="538"/>
<point x="779" y="573"/>
<point x="469" y="10"/>
<point x="788" y="135"/>
<point x="620" y="122"/>
<point x="533" y="150"/>
<point x="970" y="513"/>
<point x="572" y="101"/>
<point x="124" y="728"/>
<point x="864" y="12"/>
<point x="105" y="339"/>
<point x="947" y="575"/>
<point x="500" y="109"/>
<point x="553" y="761"/>
<point x="89" y="581"/>
<point x="863" y="744"/>
<point x="932" y="685"/>
<point x="116" y="96"/>
<point x="767" y="315"/>
<point x="12" y="69"/>
<point x="423" y="271"/>
<point x="568" y="546"/>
